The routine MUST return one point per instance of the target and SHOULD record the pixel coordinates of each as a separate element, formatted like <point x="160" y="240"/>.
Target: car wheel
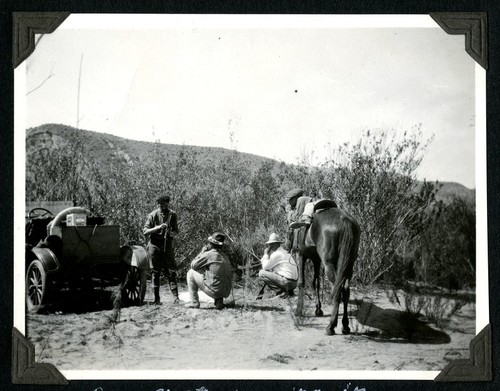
<point x="36" y="286"/>
<point x="135" y="287"/>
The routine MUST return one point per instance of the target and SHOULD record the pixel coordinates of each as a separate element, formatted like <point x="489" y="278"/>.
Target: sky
<point x="260" y="85"/>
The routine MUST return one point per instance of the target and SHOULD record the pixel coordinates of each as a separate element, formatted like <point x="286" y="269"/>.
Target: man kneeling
<point x="211" y="272"/>
<point x="279" y="270"/>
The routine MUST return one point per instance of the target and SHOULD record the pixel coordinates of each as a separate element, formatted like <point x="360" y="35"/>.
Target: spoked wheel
<point x="135" y="287"/>
<point x="36" y="286"/>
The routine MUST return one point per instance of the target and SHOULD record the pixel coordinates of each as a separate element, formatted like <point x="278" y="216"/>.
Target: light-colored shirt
<point x="281" y="262"/>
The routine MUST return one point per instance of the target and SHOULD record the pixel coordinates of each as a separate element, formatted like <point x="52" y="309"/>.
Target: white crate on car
<point x="76" y="219"/>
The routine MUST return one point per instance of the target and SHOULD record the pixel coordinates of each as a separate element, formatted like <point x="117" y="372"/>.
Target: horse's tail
<point x="348" y="248"/>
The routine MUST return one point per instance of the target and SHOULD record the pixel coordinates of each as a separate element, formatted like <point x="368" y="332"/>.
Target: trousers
<point x="195" y="283"/>
<point x="163" y="261"/>
<point x="276" y="281"/>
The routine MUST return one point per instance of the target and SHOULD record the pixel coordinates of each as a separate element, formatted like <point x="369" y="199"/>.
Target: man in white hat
<point x="279" y="270"/>
<point x="210" y="272"/>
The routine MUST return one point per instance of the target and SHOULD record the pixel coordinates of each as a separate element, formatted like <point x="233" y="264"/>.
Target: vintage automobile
<point x="75" y="250"/>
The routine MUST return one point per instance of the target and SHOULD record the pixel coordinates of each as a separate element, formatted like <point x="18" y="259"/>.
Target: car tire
<point x="134" y="290"/>
<point x="36" y="286"/>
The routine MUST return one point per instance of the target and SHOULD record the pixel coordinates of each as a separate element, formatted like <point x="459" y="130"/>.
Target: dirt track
<point x="263" y="335"/>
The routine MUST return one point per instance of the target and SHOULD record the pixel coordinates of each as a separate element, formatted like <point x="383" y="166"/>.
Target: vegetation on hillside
<point x="107" y="149"/>
<point x="408" y="232"/>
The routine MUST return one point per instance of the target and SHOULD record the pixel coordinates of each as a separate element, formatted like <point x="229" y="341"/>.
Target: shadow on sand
<point x="79" y="301"/>
<point x="390" y="325"/>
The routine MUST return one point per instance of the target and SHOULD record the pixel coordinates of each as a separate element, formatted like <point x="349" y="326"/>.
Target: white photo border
<point x="108" y="21"/>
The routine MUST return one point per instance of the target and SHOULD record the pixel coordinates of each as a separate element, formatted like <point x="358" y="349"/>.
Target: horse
<point x="331" y="240"/>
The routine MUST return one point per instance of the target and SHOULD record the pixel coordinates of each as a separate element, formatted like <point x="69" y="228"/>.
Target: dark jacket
<point x="295" y="213"/>
<point x="155" y="218"/>
<point x="217" y="271"/>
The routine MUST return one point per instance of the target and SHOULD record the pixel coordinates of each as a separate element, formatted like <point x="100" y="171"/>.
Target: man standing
<point x="211" y="272"/>
<point x="161" y="227"/>
<point x="279" y="270"/>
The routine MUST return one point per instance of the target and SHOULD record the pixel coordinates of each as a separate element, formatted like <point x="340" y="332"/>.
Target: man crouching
<point x="279" y="270"/>
<point x="211" y="272"/>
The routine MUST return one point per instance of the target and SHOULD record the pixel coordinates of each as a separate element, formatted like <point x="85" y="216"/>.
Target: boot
<point x="219" y="303"/>
<point x="193" y="304"/>
<point x="260" y="295"/>
<point x="175" y="292"/>
<point x="156" y="290"/>
<point x="305" y="221"/>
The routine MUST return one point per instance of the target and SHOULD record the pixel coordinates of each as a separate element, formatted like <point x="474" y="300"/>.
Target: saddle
<point x="324" y="204"/>
<point x="300" y="237"/>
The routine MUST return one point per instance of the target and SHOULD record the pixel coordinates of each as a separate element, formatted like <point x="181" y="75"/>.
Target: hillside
<point x="449" y="190"/>
<point x="105" y="149"/>
<point x="453" y="189"/>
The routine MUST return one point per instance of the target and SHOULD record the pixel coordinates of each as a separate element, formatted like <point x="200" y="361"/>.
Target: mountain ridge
<point x="128" y="149"/>
<point x="105" y="148"/>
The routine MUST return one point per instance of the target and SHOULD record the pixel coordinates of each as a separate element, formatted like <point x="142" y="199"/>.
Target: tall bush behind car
<point x="57" y="173"/>
<point x="226" y="197"/>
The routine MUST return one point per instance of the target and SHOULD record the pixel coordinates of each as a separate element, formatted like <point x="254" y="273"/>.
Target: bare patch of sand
<point x="249" y="335"/>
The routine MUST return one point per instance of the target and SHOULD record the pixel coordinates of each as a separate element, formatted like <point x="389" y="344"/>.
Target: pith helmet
<point x="217" y="238"/>
<point x="274" y="238"/>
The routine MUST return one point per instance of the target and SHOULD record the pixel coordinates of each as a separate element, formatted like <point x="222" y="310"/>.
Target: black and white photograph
<point x="250" y="197"/>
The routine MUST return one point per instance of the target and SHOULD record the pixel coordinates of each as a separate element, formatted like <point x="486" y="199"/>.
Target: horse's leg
<point x="300" y="298"/>
<point x="316" y="286"/>
<point x="345" y="298"/>
<point x="330" y="275"/>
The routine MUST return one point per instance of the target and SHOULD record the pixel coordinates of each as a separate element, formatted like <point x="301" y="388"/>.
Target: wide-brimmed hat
<point x="274" y="238"/>
<point x="217" y="238"/>
<point x="163" y="198"/>
<point x="294" y="193"/>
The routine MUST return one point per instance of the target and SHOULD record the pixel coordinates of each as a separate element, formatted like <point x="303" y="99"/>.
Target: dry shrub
<point x="435" y="308"/>
<point x="439" y="310"/>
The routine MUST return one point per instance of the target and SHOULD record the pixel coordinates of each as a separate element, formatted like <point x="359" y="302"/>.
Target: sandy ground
<point x="247" y="334"/>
